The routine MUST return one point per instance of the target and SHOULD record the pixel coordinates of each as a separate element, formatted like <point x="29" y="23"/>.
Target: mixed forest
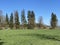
<point x="15" y="22"/>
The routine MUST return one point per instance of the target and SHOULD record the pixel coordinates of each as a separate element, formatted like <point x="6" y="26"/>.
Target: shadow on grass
<point x="1" y="43"/>
<point x="43" y="36"/>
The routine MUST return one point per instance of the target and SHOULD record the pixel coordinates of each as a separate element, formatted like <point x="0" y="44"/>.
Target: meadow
<point x="30" y="37"/>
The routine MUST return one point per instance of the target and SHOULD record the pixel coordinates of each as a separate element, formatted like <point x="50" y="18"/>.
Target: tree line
<point x="13" y="21"/>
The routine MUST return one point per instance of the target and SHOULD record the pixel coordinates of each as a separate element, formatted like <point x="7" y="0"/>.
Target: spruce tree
<point x="53" y="20"/>
<point x="7" y="20"/>
<point x="31" y="19"/>
<point x="11" y="20"/>
<point x="23" y="19"/>
<point x="17" y="20"/>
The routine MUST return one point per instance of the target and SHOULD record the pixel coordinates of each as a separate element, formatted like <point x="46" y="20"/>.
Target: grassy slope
<point x="30" y="37"/>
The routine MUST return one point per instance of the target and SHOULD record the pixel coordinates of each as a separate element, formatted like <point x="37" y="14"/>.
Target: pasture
<point x="30" y="37"/>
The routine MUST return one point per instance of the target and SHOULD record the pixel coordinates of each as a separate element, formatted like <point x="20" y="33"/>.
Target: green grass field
<point x="29" y="37"/>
